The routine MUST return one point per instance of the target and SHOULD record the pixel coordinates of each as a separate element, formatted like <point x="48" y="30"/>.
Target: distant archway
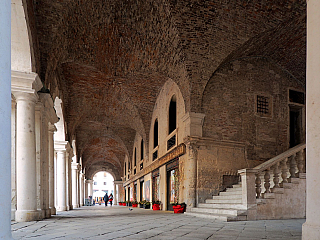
<point x="103" y="182"/>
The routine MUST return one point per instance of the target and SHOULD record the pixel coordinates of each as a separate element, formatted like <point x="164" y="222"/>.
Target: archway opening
<point x="103" y="183"/>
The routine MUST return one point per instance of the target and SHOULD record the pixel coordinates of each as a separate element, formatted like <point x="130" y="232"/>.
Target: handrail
<point x="280" y="157"/>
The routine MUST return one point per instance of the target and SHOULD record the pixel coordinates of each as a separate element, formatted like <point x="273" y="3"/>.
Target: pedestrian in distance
<point x="110" y="199"/>
<point x="106" y="199"/>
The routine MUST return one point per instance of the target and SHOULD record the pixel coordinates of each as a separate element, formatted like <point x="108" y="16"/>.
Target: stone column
<point x="75" y="169"/>
<point x="90" y="186"/>
<point x="311" y="228"/>
<point x="86" y="190"/>
<point x="61" y="148"/>
<point x="24" y="88"/>
<point x="51" y="130"/>
<point x="190" y="182"/>
<point x="13" y="160"/>
<point x="117" y="190"/>
<point x="69" y="155"/>
<point x="81" y="188"/>
<point x="39" y="157"/>
<point x="5" y="137"/>
<point x="78" y="185"/>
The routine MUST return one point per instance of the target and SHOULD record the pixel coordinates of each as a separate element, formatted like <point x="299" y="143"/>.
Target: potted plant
<point x="178" y="207"/>
<point x="141" y="203"/>
<point x="129" y="203"/>
<point x="134" y="204"/>
<point x="146" y="205"/>
<point x="156" y="205"/>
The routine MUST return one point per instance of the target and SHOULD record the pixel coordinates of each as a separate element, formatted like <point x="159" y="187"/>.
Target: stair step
<point x="227" y="197"/>
<point x="227" y="201"/>
<point x="223" y="205"/>
<point x="234" y="190"/>
<point x="230" y="212"/>
<point x="230" y="193"/>
<point x="220" y="217"/>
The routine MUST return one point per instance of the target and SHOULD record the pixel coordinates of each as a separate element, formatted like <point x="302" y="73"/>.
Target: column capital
<point x="89" y="181"/>
<point x="24" y="82"/>
<point x="193" y="123"/>
<point x="75" y="166"/>
<point x="61" y="145"/>
<point x="52" y="128"/>
<point x="118" y="182"/>
<point x="47" y="102"/>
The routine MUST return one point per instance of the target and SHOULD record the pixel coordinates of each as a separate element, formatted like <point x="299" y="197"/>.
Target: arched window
<point x="142" y="152"/>
<point x="125" y="169"/>
<point x="135" y="157"/>
<point x="173" y="114"/>
<point x="155" y="134"/>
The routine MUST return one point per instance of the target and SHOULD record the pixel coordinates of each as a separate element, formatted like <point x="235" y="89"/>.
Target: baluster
<point x="267" y="180"/>
<point x="284" y="170"/>
<point x="258" y="185"/>
<point x="300" y="162"/>
<point x="293" y="166"/>
<point x="276" y="175"/>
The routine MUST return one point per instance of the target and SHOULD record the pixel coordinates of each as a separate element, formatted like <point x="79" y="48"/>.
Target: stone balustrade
<point x="272" y="177"/>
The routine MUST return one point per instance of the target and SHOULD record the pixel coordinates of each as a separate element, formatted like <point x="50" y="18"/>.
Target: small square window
<point x="263" y="105"/>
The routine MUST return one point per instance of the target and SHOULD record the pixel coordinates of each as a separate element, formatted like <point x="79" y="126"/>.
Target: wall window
<point x="142" y="152"/>
<point x="95" y="183"/>
<point x="155" y="134"/>
<point x="135" y="157"/>
<point x="125" y="169"/>
<point x="104" y="183"/>
<point x="173" y="114"/>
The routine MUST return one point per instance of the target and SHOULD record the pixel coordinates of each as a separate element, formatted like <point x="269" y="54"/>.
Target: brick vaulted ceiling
<point x="109" y="58"/>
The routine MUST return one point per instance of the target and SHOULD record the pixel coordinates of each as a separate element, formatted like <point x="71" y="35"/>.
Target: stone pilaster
<point x="13" y="159"/>
<point x="51" y="130"/>
<point x="69" y="155"/>
<point x="61" y="149"/>
<point x="5" y="136"/>
<point x="190" y="171"/>
<point x="311" y="228"/>
<point x="81" y="177"/>
<point x="193" y="123"/>
<point x="24" y="88"/>
<point x="75" y="173"/>
<point x="116" y="192"/>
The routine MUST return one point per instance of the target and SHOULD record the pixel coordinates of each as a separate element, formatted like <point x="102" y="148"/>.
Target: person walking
<point x="106" y="199"/>
<point x="110" y="199"/>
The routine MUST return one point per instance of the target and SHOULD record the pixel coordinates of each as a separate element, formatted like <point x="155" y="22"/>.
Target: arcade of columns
<point x="44" y="176"/>
<point x="33" y="131"/>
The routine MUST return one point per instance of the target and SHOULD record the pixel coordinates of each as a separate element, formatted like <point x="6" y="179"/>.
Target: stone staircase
<point x="226" y="207"/>
<point x="278" y="197"/>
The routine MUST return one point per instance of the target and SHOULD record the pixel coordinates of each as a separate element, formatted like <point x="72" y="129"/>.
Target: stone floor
<point x="118" y="222"/>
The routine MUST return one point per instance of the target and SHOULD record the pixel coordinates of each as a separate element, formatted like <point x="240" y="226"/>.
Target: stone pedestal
<point x="311" y="228"/>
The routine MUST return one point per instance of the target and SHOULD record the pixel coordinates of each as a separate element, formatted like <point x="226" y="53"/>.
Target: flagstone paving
<point x="117" y="222"/>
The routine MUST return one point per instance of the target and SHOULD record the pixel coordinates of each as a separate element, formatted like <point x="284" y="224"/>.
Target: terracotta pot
<point x="178" y="209"/>
<point x="155" y="207"/>
<point x="134" y="204"/>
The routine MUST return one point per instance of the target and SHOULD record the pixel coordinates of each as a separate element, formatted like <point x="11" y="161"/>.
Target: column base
<point x="27" y="215"/>
<point x="13" y="214"/>
<point x="70" y="207"/>
<point x="75" y="206"/>
<point x="48" y="213"/>
<point x="310" y="231"/>
<point x="63" y="208"/>
<point x="53" y="211"/>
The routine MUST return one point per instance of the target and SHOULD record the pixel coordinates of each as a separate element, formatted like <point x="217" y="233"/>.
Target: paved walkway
<point x="118" y="222"/>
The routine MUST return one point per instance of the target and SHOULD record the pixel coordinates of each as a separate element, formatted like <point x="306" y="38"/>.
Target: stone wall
<point x="230" y="104"/>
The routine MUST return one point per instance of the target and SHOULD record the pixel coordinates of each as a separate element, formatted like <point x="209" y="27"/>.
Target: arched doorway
<point x="103" y="182"/>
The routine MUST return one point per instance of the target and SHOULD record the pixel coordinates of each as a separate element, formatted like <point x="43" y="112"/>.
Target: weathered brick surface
<point x="108" y="60"/>
<point x="230" y="106"/>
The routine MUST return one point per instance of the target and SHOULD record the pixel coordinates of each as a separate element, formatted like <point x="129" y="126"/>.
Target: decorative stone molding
<point x="193" y="123"/>
<point x="25" y="82"/>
